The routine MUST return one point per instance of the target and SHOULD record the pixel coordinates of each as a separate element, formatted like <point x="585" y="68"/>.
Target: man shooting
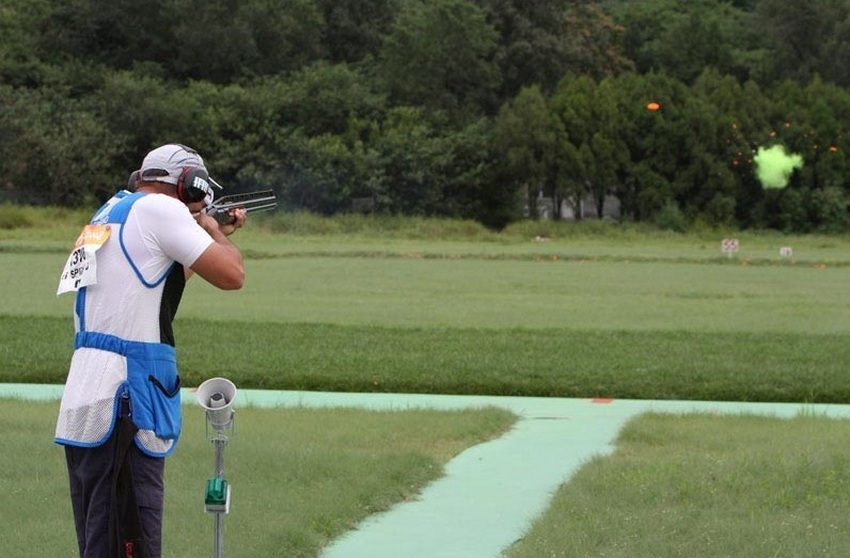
<point x="120" y="412"/>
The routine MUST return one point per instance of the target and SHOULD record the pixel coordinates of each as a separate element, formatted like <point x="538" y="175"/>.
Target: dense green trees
<point x="480" y="109"/>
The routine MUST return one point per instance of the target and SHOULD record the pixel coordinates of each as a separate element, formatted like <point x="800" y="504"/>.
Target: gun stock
<point x="263" y="200"/>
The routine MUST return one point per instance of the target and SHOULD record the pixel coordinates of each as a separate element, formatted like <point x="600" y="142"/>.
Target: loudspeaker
<point x="216" y="396"/>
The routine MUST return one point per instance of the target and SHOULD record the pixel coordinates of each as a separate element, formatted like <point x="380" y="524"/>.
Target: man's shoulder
<point x="159" y="206"/>
<point x="154" y="201"/>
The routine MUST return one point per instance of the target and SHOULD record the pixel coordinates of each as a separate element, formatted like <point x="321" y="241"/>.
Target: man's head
<point x="181" y="167"/>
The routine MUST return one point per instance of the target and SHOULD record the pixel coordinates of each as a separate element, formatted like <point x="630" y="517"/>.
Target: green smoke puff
<point x="774" y="166"/>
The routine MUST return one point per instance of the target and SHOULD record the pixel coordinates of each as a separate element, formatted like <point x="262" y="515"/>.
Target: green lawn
<point x="491" y="317"/>
<point x="581" y="312"/>
<point x="300" y="477"/>
<point x="704" y="486"/>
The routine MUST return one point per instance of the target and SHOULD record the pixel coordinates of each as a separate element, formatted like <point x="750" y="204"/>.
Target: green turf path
<point x="491" y="492"/>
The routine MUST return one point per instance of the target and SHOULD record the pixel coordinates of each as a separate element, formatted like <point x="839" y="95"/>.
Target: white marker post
<point x="729" y="246"/>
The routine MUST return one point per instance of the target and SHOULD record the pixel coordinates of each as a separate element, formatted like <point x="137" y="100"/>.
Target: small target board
<point x="730" y="246"/>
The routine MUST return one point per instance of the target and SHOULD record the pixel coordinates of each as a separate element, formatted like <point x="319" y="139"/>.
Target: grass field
<point x="543" y="309"/>
<point x="300" y="477"/>
<point x="704" y="486"/>
<point x="619" y="315"/>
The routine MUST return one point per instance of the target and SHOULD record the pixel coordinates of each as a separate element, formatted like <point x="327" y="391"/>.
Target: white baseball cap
<point x="166" y="163"/>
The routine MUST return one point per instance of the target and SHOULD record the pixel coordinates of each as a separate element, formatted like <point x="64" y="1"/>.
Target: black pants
<point x="91" y="481"/>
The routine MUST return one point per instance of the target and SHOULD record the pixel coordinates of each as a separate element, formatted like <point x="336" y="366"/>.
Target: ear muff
<point x="193" y="185"/>
<point x="134" y="180"/>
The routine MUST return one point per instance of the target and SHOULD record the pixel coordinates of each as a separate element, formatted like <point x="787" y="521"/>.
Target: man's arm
<point x="221" y="263"/>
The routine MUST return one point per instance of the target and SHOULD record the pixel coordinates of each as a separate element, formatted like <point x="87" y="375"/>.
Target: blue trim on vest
<point x="147" y="363"/>
<point x="136" y="269"/>
<point x="134" y="349"/>
<point x="152" y="383"/>
<point x="117" y="213"/>
<point x="67" y="442"/>
<point x="112" y="423"/>
<point x="114" y="211"/>
<point x="122" y="389"/>
<point x="80" y="307"/>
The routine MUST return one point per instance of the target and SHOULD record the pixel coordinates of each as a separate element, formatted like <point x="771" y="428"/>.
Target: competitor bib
<point x="81" y="266"/>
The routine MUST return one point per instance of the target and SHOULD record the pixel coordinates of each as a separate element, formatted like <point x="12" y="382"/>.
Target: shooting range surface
<point x="492" y="492"/>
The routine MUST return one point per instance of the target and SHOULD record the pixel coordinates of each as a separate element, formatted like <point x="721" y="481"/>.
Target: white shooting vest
<point x="106" y="364"/>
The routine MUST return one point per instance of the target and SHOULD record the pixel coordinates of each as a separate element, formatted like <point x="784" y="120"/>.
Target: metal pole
<point x="218" y="548"/>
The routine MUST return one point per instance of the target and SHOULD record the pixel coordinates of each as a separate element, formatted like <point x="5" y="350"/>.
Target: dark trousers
<point x="91" y="481"/>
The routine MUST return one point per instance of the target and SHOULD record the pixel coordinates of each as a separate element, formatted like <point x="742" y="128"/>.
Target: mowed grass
<point x="704" y="486"/>
<point x="576" y="312"/>
<point x="300" y="477"/>
<point x="509" y="325"/>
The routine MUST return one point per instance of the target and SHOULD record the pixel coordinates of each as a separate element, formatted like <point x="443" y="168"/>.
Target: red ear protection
<point x="193" y="185"/>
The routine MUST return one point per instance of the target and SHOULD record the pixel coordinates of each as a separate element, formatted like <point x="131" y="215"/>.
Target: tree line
<point x="456" y="108"/>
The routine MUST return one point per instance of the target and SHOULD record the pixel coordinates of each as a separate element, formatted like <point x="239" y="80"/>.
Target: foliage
<point x="454" y="73"/>
<point x="528" y="138"/>
<point x="670" y="217"/>
<point x="14" y="217"/>
<point x="461" y="108"/>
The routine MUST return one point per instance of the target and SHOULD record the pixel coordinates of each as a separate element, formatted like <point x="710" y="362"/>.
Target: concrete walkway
<point x="492" y="492"/>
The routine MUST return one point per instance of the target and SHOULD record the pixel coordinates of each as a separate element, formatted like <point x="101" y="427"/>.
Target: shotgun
<point x="263" y="200"/>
